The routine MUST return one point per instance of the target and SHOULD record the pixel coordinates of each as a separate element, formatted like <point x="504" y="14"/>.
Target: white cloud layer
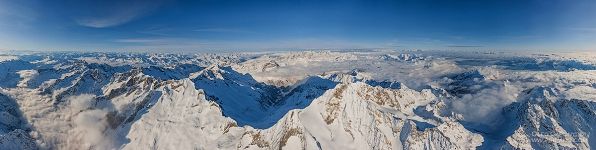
<point x="117" y="13"/>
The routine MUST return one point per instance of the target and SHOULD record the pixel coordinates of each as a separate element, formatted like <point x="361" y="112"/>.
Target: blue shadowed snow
<point x="421" y="126"/>
<point x="12" y="117"/>
<point x="9" y="78"/>
<point x="177" y="73"/>
<point x="45" y="73"/>
<point x="240" y="96"/>
<point x="91" y="81"/>
<point x="14" y="125"/>
<point x="301" y="97"/>
<point x="256" y="104"/>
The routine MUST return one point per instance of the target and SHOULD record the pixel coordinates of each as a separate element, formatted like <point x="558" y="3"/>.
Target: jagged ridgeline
<point x="297" y="100"/>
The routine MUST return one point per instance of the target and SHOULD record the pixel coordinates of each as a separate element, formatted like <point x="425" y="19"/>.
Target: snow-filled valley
<point x="376" y="99"/>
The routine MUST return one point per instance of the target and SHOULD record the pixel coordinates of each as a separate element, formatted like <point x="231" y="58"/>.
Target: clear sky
<point x="247" y="24"/>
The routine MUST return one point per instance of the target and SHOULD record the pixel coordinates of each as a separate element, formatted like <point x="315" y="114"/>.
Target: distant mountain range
<point x="297" y="100"/>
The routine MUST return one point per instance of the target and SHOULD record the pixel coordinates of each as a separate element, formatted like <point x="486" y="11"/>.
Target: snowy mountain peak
<point x="340" y="77"/>
<point x="542" y="93"/>
<point x="545" y="119"/>
<point x="212" y="72"/>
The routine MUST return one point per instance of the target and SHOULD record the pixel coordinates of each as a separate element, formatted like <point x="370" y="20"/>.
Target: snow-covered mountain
<point x="297" y="100"/>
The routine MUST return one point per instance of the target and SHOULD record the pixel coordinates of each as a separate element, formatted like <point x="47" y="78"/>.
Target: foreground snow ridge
<point x="298" y="100"/>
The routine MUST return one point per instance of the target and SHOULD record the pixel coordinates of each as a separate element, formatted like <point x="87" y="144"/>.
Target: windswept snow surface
<point x="357" y="100"/>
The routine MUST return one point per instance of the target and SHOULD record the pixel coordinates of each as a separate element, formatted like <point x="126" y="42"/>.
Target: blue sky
<point x="281" y="24"/>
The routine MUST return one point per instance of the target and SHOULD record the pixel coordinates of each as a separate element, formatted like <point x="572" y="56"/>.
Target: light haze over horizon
<point x="565" y="25"/>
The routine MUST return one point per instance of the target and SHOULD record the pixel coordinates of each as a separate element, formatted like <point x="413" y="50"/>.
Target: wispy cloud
<point x="117" y="13"/>
<point x="17" y="13"/>
<point x="109" y="21"/>
<point x="583" y="29"/>
<point x="162" y="43"/>
<point x="159" y="31"/>
<point x="141" y="40"/>
<point x="464" y="46"/>
<point x="223" y="30"/>
<point x="198" y="44"/>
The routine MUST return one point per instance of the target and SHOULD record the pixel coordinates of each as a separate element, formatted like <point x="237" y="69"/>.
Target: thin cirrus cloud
<point x="116" y="13"/>
<point x="223" y="30"/>
<point x="465" y="46"/>
<point x="583" y="29"/>
<point x="161" y="41"/>
<point x="107" y="21"/>
<point x="141" y="40"/>
<point x="17" y="15"/>
<point x="310" y="43"/>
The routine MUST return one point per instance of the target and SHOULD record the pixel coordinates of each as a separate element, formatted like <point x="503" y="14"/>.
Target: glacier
<point x="370" y="99"/>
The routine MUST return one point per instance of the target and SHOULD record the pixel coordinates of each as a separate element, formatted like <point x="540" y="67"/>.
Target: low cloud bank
<point x="89" y="125"/>
<point x="486" y="106"/>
